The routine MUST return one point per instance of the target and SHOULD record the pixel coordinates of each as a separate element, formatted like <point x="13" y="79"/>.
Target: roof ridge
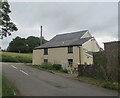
<point x="65" y="33"/>
<point x="87" y="37"/>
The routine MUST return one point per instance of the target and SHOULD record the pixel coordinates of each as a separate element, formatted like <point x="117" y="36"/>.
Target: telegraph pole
<point x="41" y="36"/>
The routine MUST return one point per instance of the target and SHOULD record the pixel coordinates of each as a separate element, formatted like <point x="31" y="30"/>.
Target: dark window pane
<point x="70" y="49"/>
<point x="46" y="51"/>
<point x="70" y="62"/>
<point x="45" y="60"/>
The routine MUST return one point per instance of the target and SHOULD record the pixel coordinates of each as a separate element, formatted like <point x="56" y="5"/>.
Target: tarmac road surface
<point x="34" y="82"/>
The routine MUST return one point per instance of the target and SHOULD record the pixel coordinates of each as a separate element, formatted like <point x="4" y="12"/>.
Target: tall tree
<point x="18" y="45"/>
<point x="24" y="45"/>
<point x="6" y="26"/>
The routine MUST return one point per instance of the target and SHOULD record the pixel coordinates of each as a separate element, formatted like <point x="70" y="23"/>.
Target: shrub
<point x="57" y="67"/>
<point x="65" y="71"/>
<point x="111" y="85"/>
<point x="47" y="66"/>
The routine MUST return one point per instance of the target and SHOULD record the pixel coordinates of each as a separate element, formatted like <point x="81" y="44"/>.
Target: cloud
<point x="99" y="18"/>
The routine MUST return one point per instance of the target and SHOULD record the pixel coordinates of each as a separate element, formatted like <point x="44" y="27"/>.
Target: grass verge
<point x="7" y="89"/>
<point x="51" y="67"/>
<point x="99" y="82"/>
<point x="15" y="57"/>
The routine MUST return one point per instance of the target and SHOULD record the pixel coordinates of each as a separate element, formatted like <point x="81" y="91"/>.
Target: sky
<point x="99" y="18"/>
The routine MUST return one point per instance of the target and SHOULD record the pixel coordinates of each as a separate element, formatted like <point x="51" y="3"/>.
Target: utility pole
<point x="41" y="37"/>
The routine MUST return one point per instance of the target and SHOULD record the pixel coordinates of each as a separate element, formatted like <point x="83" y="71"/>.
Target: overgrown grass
<point x="0" y="85"/>
<point x="99" y="82"/>
<point x="7" y="89"/>
<point x="52" y="67"/>
<point x="15" y="57"/>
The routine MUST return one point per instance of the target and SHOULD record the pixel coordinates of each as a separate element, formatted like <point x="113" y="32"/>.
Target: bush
<point x="111" y="85"/>
<point x="54" y="67"/>
<point x="47" y="66"/>
<point x="57" y="67"/>
<point x="65" y="71"/>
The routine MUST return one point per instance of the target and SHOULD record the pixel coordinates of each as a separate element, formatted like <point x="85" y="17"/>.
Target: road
<point x="34" y="82"/>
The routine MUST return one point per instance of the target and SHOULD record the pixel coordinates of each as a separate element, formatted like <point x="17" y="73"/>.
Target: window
<point x="70" y="49"/>
<point x="46" y="51"/>
<point x="70" y="62"/>
<point x="45" y="60"/>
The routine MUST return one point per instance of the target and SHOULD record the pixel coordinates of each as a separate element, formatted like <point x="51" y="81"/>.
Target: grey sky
<point x="101" y="19"/>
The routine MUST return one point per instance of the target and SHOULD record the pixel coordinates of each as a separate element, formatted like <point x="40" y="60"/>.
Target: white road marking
<point x="20" y="70"/>
<point x="14" y="67"/>
<point x="24" y="72"/>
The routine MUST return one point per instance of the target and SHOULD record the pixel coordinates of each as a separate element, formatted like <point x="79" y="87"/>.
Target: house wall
<point x="61" y="56"/>
<point x="92" y="46"/>
<point x="85" y="58"/>
<point x="87" y="34"/>
<point x="56" y="56"/>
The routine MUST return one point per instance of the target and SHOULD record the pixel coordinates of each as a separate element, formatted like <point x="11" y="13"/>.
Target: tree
<point x="6" y="26"/>
<point x="24" y="45"/>
<point x="18" y="45"/>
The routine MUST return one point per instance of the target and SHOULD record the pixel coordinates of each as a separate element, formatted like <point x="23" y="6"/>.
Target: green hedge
<point x="51" y="67"/>
<point x="54" y="67"/>
<point x="17" y="59"/>
<point x="57" y="66"/>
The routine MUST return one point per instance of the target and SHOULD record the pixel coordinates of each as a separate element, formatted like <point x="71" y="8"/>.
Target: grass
<point x="0" y="85"/>
<point x="7" y="89"/>
<point x="51" y="67"/>
<point x="15" y="57"/>
<point x="99" y="82"/>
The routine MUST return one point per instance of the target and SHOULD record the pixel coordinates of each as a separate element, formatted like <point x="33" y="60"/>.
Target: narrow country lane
<point x="33" y="82"/>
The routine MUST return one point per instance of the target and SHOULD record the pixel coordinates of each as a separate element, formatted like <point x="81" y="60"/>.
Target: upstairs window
<point x="46" y="51"/>
<point x="70" y="49"/>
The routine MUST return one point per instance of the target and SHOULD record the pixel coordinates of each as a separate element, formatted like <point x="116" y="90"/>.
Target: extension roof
<point x="64" y="40"/>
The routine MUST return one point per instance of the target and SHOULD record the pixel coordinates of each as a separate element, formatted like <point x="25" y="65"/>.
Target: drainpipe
<point x="79" y="54"/>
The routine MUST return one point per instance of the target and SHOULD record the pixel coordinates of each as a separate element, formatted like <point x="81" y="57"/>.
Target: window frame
<point x="70" y="49"/>
<point x="45" y="51"/>
<point x="70" y="62"/>
<point x="45" y="60"/>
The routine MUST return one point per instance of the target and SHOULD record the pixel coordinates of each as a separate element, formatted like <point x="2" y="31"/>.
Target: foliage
<point x="57" y="66"/>
<point x="18" y="45"/>
<point x="15" y="57"/>
<point x="5" y="22"/>
<point x="100" y="82"/>
<point x="47" y="66"/>
<point x="22" y="45"/>
<point x="65" y="71"/>
<point x="53" y="67"/>
<point x="32" y="42"/>
<point x="7" y="89"/>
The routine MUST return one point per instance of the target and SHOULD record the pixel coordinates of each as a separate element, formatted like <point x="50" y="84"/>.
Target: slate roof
<point x="68" y="39"/>
<point x="90" y="53"/>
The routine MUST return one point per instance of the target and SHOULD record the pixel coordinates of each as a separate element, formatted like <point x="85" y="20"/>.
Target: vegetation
<point x="15" y="57"/>
<point x="101" y="68"/>
<point x="7" y="89"/>
<point x="0" y="84"/>
<point x="52" y="67"/>
<point x="100" y="82"/>
<point x="22" y="45"/>
<point x="5" y="22"/>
